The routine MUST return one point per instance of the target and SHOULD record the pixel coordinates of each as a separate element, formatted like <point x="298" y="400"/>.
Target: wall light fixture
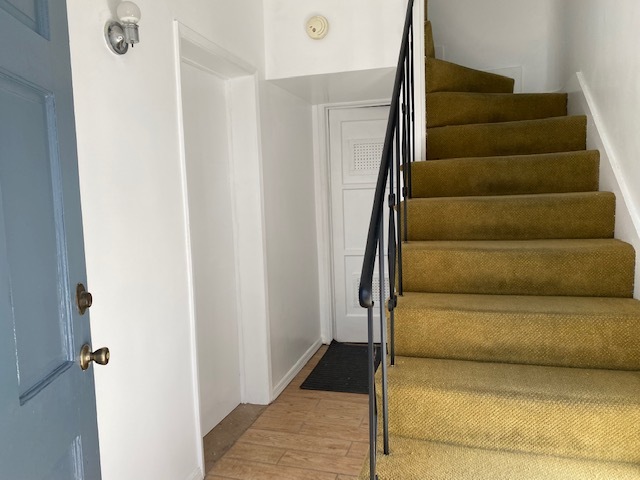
<point x="121" y="34"/>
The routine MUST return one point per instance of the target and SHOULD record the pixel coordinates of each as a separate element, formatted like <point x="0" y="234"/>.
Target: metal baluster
<point x="392" y="274"/>
<point x="383" y="341"/>
<point x="405" y="167"/>
<point x="398" y="212"/>
<point x="373" y="422"/>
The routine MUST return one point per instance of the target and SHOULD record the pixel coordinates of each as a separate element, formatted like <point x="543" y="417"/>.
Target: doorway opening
<point x="223" y="228"/>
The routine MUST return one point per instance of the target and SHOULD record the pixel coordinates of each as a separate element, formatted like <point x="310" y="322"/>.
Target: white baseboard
<point x="286" y="380"/>
<point x="581" y="102"/>
<point x="196" y="475"/>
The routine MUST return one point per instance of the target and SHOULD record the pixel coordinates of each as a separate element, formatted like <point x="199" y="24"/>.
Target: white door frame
<point x="419" y="87"/>
<point x="245" y="165"/>
<point x="323" y="211"/>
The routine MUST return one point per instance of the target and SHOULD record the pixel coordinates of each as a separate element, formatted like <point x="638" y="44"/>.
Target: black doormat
<point x="343" y="368"/>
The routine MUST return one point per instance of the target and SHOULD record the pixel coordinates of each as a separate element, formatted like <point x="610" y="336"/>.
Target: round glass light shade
<point x="128" y="12"/>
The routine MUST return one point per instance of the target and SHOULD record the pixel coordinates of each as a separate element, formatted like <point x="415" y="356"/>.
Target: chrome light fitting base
<point x="114" y="34"/>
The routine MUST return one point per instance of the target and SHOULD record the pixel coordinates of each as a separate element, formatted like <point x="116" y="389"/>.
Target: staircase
<point x="517" y="339"/>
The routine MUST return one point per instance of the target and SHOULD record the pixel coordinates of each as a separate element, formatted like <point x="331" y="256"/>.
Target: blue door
<point x="47" y="402"/>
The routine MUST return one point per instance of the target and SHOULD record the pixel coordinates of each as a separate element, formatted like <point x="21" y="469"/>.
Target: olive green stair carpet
<point x="481" y="328"/>
<point x="461" y="108"/>
<point x="561" y="172"/>
<point x="517" y="337"/>
<point x="512" y="217"/>
<point x="449" y="77"/>
<point x="547" y="135"/>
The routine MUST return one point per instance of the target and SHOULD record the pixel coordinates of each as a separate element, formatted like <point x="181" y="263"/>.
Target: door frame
<point x="241" y="79"/>
<point x="322" y="174"/>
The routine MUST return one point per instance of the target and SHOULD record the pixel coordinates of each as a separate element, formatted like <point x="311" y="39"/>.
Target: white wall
<point x="135" y="245"/>
<point x="289" y="210"/>
<point x="129" y="158"/>
<point x="511" y="37"/>
<point x="363" y="34"/>
<point x="601" y="42"/>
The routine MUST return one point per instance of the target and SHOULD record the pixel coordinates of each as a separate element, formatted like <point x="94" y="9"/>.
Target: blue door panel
<point x="40" y="437"/>
<point x="34" y="234"/>
<point x="69" y="465"/>
<point x="32" y="14"/>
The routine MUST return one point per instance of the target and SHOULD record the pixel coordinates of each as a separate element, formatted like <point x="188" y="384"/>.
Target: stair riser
<point x="544" y="270"/>
<point x="512" y="217"/>
<point x="443" y="76"/>
<point x="482" y="420"/>
<point x="587" y="341"/>
<point x="451" y="108"/>
<point x="419" y="460"/>
<point x="561" y="134"/>
<point x="549" y="173"/>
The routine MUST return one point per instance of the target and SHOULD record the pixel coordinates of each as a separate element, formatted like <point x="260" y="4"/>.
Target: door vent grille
<point x="367" y="156"/>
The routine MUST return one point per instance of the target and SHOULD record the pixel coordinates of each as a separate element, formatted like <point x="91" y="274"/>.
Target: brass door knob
<point x="100" y="356"/>
<point x="84" y="299"/>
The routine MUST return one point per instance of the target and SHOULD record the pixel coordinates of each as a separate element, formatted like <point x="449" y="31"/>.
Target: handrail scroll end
<point x="366" y="297"/>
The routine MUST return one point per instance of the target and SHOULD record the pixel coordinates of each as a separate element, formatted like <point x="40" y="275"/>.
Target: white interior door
<point x="213" y="251"/>
<point x="356" y="138"/>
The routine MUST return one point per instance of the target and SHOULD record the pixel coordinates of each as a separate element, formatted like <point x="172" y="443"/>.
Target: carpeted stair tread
<point x="512" y="217"/>
<point x="461" y="108"/>
<point x="566" y="412"/>
<point x="557" y="134"/>
<point x="584" y="332"/>
<point x="442" y="76"/>
<point x="412" y="459"/>
<point x="429" y="47"/>
<point x="509" y="175"/>
<point x="593" y="267"/>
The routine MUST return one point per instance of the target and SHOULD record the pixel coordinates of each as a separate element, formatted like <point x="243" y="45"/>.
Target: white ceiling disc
<point x="317" y="27"/>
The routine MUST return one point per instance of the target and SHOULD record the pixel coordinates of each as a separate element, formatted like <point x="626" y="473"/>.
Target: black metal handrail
<point x="395" y="178"/>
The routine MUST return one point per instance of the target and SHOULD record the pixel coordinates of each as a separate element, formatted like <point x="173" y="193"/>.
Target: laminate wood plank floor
<point x="303" y="435"/>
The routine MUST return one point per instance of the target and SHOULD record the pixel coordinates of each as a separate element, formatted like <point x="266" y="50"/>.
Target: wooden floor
<point x="303" y="435"/>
